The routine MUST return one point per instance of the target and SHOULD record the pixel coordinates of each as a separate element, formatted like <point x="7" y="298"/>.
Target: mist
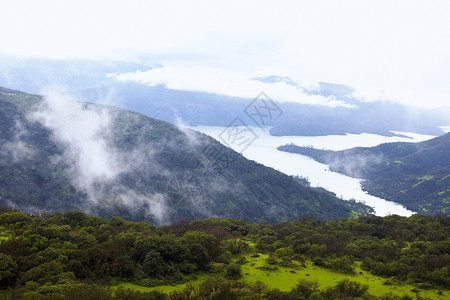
<point x="223" y="82"/>
<point x="17" y="149"/>
<point x="353" y="165"/>
<point x="85" y="132"/>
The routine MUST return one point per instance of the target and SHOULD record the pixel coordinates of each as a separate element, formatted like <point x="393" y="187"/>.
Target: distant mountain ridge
<point x="87" y="79"/>
<point x="145" y="169"/>
<point x="417" y="175"/>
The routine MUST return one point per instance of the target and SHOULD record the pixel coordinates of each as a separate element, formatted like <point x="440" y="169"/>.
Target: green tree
<point x="8" y="270"/>
<point x="346" y="289"/>
<point x="233" y="271"/>
<point x="154" y="265"/>
<point x="43" y="273"/>
<point x="304" y="289"/>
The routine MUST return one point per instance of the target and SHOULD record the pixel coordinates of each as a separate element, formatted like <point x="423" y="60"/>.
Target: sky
<point x="386" y="49"/>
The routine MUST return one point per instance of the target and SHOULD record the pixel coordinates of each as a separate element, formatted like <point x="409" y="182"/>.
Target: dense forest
<point x="416" y="175"/>
<point x="72" y="256"/>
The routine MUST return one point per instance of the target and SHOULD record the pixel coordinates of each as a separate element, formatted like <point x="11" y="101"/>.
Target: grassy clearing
<point x="284" y="279"/>
<point x="162" y="288"/>
<point x="287" y="278"/>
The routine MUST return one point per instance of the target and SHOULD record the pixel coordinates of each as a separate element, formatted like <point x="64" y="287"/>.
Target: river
<point x="264" y="150"/>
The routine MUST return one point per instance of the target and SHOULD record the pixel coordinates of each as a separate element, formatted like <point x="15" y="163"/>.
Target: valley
<point x="415" y="174"/>
<point x="108" y="161"/>
<point x="224" y="150"/>
<point x="264" y="150"/>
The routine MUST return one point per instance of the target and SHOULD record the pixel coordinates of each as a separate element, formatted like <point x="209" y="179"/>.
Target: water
<point x="264" y="150"/>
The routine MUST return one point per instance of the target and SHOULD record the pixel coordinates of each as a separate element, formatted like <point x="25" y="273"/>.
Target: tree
<point x="8" y="270"/>
<point x="346" y="289"/>
<point x="77" y="268"/>
<point x="304" y="289"/>
<point x="154" y="265"/>
<point x="43" y="273"/>
<point x="234" y="272"/>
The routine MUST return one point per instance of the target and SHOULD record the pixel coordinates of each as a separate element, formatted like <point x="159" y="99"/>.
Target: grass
<point x="284" y="280"/>
<point x="287" y="278"/>
<point x="162" y="288"/>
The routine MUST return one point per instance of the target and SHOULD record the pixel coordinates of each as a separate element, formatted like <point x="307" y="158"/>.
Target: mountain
<point x="382" y="118"/>
<point x="357" y="117"/>
<point x="57" y="154"/>
<point x="201" y="108"/>
<point x="417" y="175"/>
<point x="89" y="81"/>
<point x="34" y="74"/>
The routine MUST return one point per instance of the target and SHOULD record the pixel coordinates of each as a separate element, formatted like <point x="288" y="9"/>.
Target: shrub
<point x="304" y="289"/>
<point x="345" y="289"/>
<point x="284" y="252"/>
<point x="318" y="261"/>
<point x="272" y="259"/>
<point x="233" y="271"/>
<point x="286" y="262"/>
<point x="298" y="257"/>
<point x="343" y="264"/>
<point x="225" y="257"/>
<point x="241" y="260"/>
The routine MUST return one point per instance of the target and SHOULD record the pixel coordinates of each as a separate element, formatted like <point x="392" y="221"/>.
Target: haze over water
<point x="264" y="150"/>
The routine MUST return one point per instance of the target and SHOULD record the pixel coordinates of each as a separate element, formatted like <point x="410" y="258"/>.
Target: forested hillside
<point x="108" y="161"/>
<point x="417" y="175"/>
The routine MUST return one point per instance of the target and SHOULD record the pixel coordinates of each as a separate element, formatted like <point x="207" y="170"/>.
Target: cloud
<point x="427" y="100"/>
<point x="17" y="149"/>
<point x="383" y="44"/>
<point x="353" y="164"/>
<point x="85" y="134"/>
<point x="5" y="78"/>
<point x="155" y="205"/>
<point x="83" y="131"/>
<point x="223" y="82"/>
<point x="370" y="95"/>
<point x="191" y="135"/>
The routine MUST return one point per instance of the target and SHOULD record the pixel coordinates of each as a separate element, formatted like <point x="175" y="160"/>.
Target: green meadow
<point x="286" y="278"/>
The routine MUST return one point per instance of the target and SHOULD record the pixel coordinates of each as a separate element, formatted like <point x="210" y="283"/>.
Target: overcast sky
<point x="399" y="47"/>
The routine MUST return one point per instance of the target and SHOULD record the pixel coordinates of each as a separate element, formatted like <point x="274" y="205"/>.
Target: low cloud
<point x="155" y="205"/>
<point x="191" y="135"/>
<point x="85" y="134"/>
<point x="17" y="149"/>
<point x="371" y="95"/>
<point x="415" y="99"/>
<point x="354" y="164"/>
<point x="223" y="82"/>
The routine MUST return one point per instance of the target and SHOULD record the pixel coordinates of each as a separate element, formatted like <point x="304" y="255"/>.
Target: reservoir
<point x="264" y="150"/>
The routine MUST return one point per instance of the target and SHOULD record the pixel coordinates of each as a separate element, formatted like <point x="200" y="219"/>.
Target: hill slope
<point x="72" y="256"/>
<point x="57" y="155"/>
<point x="416" y="175"/>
